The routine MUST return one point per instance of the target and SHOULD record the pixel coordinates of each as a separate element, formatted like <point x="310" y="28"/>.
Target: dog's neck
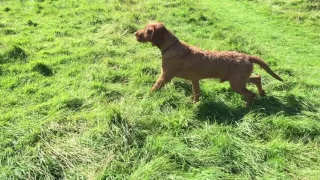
<point x="165" y="50"/>
<point x="169" y="40"/>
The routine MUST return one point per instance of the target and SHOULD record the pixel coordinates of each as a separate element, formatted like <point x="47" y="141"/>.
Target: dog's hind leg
<point x="257" y="81"/>
<point x="240" y="87"/>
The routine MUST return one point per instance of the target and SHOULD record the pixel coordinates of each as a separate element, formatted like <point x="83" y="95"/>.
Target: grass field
<point x="75" y="100"/>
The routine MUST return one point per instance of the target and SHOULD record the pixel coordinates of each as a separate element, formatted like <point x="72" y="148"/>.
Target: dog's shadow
<point x="219" y="112"/>
<point x="215" y="111"/>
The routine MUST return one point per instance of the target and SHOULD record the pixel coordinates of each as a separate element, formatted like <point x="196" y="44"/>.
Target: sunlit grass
<point x="75" y="100"/>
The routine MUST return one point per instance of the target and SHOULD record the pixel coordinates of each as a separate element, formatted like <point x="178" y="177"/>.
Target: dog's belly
<point x="192" y="75"/>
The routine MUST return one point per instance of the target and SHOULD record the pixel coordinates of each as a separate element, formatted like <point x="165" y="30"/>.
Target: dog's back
<point x="199" y="64"/>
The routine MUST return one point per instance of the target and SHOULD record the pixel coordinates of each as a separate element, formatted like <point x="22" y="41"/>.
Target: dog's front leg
<point x="196" y="90"/>
<point x="164" y="78"/>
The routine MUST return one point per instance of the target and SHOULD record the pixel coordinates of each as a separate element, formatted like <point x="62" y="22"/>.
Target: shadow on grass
<point x="290" y="105"/>
<point x="218" y="112"/>
<point x="13" y="54"/>
<point x="43" y="69"/>
<point x="184" y="86"/>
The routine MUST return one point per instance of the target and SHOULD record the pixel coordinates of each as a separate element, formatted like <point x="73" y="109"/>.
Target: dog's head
<point x="153" y="33"/>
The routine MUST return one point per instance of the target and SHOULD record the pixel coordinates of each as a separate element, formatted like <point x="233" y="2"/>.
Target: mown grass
<point x="76" y="103"/>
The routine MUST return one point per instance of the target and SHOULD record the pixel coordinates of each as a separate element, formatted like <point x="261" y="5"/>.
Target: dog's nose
<point x="136" y="34"/>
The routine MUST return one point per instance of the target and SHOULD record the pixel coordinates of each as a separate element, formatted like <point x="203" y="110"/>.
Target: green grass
<point x="75" y="100"/>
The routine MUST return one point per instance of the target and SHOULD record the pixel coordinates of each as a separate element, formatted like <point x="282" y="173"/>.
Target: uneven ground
<point x="75" y="100"/>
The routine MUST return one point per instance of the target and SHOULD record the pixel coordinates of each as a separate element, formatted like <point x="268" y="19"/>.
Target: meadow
<point x="75" y="100"/>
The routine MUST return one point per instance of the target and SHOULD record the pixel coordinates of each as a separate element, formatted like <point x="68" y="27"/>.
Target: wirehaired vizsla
<point x="192" y="63"/>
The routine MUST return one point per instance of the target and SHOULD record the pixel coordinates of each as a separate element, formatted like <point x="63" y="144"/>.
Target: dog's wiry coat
<point x="192" y="63"/>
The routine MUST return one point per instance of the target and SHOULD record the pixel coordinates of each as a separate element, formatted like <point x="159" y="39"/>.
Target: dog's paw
<point x="195" y="100"/>
<point x="153" y="89"/>
<point x="262" y="93"/>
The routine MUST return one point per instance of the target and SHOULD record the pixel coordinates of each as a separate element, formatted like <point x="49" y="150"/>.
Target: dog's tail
<point x="264" y="66"/>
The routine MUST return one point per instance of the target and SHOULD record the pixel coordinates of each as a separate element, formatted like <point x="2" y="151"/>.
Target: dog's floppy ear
<point x="150" y="32"/>
<point x="157" y="32"/>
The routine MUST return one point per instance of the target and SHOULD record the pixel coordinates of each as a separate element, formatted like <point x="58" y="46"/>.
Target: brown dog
<point x="184" y="61"/>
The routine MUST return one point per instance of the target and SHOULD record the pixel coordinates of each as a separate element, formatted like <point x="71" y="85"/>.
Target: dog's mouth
<point x="140" y="37"/>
